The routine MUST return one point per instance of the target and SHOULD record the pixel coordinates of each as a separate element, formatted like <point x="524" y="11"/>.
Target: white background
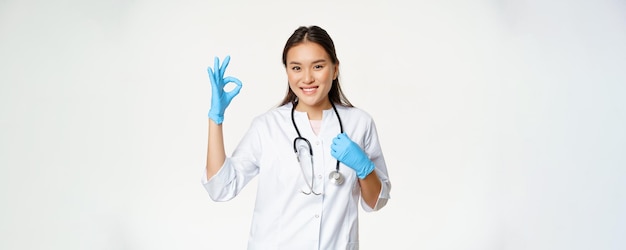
<point x="502" y="122"/>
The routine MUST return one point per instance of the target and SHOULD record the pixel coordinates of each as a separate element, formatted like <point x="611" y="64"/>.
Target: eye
<point x="295" y="68"/>
<point x="318" y="66"/>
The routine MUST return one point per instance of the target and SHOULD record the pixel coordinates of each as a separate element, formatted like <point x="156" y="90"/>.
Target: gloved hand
<point x="220" y="99"/>
<point x="350" y="154"/>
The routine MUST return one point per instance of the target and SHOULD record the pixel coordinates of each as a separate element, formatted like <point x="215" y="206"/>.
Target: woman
<point x="309" y="201"/>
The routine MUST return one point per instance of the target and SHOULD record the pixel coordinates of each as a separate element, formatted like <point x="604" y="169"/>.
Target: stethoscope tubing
<point x="307" y="141"/>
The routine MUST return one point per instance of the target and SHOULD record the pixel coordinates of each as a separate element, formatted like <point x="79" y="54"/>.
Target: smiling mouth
<point x="308" y="90"/>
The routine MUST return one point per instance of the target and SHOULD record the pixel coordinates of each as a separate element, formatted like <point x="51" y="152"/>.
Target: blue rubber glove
<point x="220" y="99"/>
<point x="350" y="154"/>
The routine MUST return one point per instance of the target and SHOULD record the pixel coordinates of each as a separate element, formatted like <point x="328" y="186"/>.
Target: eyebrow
<point x="314" y="62"/>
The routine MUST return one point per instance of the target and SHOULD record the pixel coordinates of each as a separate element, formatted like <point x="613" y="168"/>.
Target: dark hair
<point x="317" y="35"/>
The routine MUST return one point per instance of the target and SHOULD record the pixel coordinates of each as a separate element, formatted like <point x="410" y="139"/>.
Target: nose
<point x="308" y="77"/>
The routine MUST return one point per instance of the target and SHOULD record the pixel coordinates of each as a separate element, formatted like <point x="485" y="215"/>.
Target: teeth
<point x="308" y="90"/>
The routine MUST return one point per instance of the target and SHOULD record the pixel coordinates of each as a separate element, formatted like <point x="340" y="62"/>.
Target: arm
<point x="216" y="154"/>
<point x="351" y="155"/>
<point x="220" y="100"/>
<point x="370" y="189"/>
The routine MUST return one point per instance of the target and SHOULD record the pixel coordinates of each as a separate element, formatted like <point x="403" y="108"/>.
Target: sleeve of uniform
<point x="374" y="151"/>
<point x="238" y="169"/>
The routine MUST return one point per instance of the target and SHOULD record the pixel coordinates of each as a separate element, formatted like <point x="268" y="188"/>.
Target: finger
<point x="224" y="65"/>
<point x="233" y="80"/>
<point x="343" y="136"/>
<point x="211" y="76"/>
<point x="216" y="66"/>
<point x="336" y="141"/>
<point x="339" y="137"/>
<point x="234" y="91"/>
<point x="214" y="81"/>
<point x="210" y="71"/>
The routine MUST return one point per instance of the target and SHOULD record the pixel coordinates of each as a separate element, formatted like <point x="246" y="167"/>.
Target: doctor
<point x="306" y="200"/>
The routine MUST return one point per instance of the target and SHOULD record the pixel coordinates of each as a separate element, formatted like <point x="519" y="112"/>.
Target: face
<point x="310" y="73"/>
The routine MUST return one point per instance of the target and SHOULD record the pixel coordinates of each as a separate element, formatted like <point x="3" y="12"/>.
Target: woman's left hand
<point x="350" y="154"/>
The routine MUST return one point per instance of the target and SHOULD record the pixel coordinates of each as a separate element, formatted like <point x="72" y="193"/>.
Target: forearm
<point x="370" y="188"/>
<point x="216" y="154"/>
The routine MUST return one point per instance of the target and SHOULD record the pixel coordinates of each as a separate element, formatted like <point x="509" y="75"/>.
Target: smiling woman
<point x="311" y="74"/>
<point x="296" y="208"/>
<point x="502" y="123"/>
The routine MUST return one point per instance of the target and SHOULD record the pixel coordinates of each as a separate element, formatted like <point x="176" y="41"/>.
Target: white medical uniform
<point x="284" y="217"/>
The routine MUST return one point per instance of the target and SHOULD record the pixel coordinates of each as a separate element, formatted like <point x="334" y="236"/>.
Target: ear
<point x="336" y="74"/>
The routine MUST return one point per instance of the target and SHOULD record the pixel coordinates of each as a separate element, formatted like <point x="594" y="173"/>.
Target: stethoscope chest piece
<point x="336" y="177"/>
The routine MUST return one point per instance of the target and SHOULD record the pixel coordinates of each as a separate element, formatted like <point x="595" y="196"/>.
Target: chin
<point x="312" y="101"/>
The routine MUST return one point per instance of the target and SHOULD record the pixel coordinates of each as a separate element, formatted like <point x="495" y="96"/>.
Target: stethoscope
<point x="335" y="176"/>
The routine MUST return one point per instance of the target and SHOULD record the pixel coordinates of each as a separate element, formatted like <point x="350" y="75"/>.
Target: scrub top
<point x="284" y="217"/>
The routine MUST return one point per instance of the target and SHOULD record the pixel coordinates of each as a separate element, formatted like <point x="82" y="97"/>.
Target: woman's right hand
<point x="220" y="99"/>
